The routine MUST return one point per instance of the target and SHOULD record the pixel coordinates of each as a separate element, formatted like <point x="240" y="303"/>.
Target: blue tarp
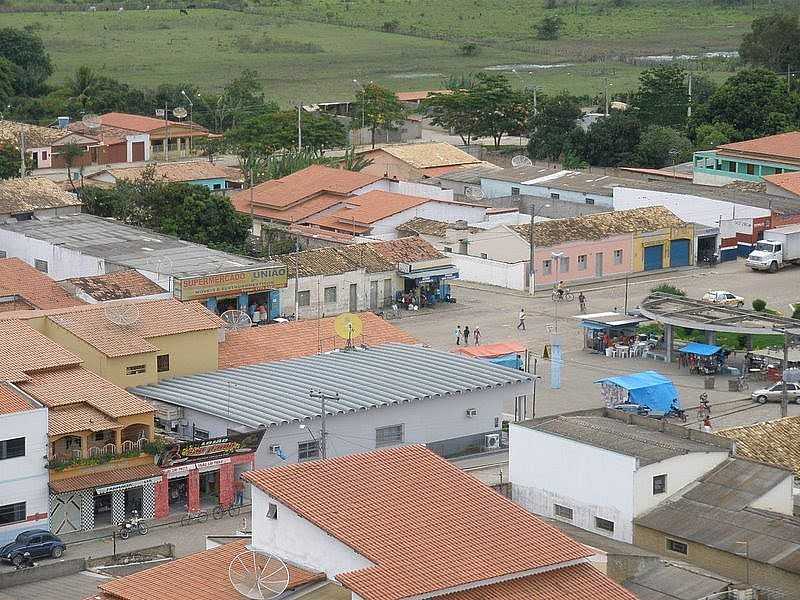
<point x="648" y="388"/>
<point x="511" y="361"/>
<point x="700" y="349"/>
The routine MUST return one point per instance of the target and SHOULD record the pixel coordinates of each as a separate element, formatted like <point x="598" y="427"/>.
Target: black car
<point x="39" y="542"/>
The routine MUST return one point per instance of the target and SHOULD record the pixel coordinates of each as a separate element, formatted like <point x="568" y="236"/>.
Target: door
<point x="679" y="253"/>
<point x="353" y="297"/>
<point x="138" y="151"/>
<point x="654" y="257"/>
<point x="598" y="264"/>
<point x="373" y="295"/>
<point x="37" y="546"/>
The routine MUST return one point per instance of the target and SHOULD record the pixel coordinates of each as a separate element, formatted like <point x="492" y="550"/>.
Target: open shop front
<point x="426" y="282"/>
<point x="702" y="359"/>
<point x="607" y="331"/>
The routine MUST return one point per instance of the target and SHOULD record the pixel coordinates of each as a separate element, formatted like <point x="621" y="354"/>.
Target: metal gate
<point x="654" y="257"/>
<point x="598" y="264"/>
<point x="373" y="295"/>
<point x="679" y="253"/>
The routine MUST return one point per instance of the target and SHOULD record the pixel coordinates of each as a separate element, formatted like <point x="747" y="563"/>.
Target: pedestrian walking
<point x="466" y="335"/>
<point x="582" y="301"/>
<point x="477" y="335"/>
<point x="458" y="335"/>
<point x="521" y="324"/>
<point x="239" y="492"/>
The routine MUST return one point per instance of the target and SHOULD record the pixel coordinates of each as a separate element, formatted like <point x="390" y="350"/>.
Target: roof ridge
<point x="625" y="435"/>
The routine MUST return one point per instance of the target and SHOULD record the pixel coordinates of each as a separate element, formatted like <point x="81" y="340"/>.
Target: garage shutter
<point x="653" y="257"/>
<point x="679" y="253"/>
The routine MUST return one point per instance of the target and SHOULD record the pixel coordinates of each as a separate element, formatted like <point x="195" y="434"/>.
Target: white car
<point x="774" y="393"/>
<point x="723" y="297"/>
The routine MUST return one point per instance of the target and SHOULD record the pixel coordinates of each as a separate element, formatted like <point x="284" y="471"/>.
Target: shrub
<point x="759" y="305"/>
<point x="469" y="49"/>
<point x="666" y="288"/>
<point x="796" y="310"/>
<point x="390" y="26"/>
<point x="549" y="28"/>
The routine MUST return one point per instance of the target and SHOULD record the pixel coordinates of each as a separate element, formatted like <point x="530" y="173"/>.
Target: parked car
<point x="774" y="393"/>
<point x="723" y="297"/>
<point x="38" y="542"/>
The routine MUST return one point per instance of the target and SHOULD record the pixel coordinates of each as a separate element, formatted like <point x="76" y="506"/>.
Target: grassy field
<point x="313" y="49"/>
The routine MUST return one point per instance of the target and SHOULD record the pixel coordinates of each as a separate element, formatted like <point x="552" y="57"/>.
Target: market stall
<point x="507" y="354"/>
<point x="648" y="388"/>
<point x="701" y="359"/>
<point x="607" y="329"/>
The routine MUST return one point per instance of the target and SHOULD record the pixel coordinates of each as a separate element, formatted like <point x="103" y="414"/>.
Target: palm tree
<point x="82" y="87"/>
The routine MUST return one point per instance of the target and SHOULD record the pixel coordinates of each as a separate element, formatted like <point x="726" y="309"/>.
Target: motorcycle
<point x="135" y="523"/>
<point x="25" y="563"/>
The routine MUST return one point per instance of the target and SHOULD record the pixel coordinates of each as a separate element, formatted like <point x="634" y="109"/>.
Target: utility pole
<point x="531" y="261"/>
<point x="166" y="132"/>
<point x="299" y="126"/>
<point x="297" y="278"/>
<point x="626" y="293"/>
<point x="689" y="106"/>
<point x="784" y="393"/>
<point x="605" y="87"/>
<point x="323" y="432"/>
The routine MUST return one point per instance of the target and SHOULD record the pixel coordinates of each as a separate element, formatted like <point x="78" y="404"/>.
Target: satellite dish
<point x="91" y="121"/>
<point x="257" y="575"/>
<point x="473" y="193"/>
<point x="348" y="326"/>
<point x="520" y="160"/>
<point x="236" y="320"/>
<point x="179" y="112"/>
<point x="123" y="314"/>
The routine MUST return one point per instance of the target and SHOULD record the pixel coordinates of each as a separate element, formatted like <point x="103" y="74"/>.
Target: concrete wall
<point x="63" y="263"/>
<point x="546" y="469"/>
<point x="424" y="421"/>
<point x="408" y="188"/>
<point x="494" y="188"/>
<point x="24" y="479"/>
<point x="491" y="272"/>
<point x="297" y="540"/>
<point x="499" y="243"/>
<point x="449" y="212"/>
<point x="588" y="248"/>
<point x="779" y="499"/>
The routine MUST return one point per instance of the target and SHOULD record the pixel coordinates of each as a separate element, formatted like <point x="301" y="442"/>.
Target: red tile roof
<point x="78" y="417"/>
<point x="201" y="576"/>
<point x="103" y="478"/>
<point x="782" y="145"/>
<point x="283" y="192"/>
<point x="366" y="209"/>
<point x="118" y="285"/>
<point x="578" y="582"/>
<point x="140" y="123"/>
<point x="177" y="172"/>
<point x="490" y="350"/>
<point x="788" y="181"/>
<point x="406" y="250"/>
<point x="309" y="231"/>
<point x="25" y="350"/>
<point x="292" y="214"/>
<point x="426" y="525"/>
<point x="18" y="278"/>
<point x="13" y="401"/>
<point x="270" y="343"/>
<point x="421" y="95"/>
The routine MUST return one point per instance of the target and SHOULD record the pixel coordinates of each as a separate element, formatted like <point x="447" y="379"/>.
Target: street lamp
<point x="191" y="122"/>
<point x="363" y="109"/>
<point x="673" y="154"/>
<point x="556" y="256"/>
<point x="532" y="249"/>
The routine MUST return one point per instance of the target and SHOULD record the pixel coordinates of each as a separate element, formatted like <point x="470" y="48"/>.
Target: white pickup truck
<point x="779" y="248"/>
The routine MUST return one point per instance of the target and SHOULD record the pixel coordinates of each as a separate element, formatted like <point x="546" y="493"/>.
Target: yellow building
<point x="663" y="242"/>
<point x="134" y="343"/>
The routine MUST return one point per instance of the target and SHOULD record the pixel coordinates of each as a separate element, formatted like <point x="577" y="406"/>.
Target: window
<point x="272" y="512"/>
<point x="448" y="249"/>
<point x="617" y="257"/>
<point x="589" y="200"/>
<point x="330" y="295"/>
<point x="751" y="169"/>
<point x="604" y="524"/>
<point x="135" y="369"/>
<point x="200" y="434"/>
<point x="547" y="267"/>
<point x="99" y="436"/>
<point x="304" y="298"/>
<point x="44" y="154"/>
<point x="162" y="363"/>
<point x="41" y="265"/>
<point x="515" y="191"/>
<point x="388" y="436"/>
<point x="2" y="254"/>
<point x="12" y="448"/>
<point x="484" y="255"/>
<point x="308" y="450"/>
<point x="660" y="484"/>
<point x="12" y="513"/>
<point x="24" y="216"/>
<point x="564" y="266"/>
<point x="676" y="546"/>
<point x="554" y="196"/>
<point x="732" y="167"/>
<point x="217" y="186"/>
<point x="582" y="262"/>
<point x="562" y="511"/>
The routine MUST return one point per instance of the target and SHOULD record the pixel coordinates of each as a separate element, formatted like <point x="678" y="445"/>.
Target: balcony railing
<point x="96" y="455"/>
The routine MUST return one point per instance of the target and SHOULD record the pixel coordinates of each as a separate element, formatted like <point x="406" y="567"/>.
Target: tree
<point x="354" y="162"/>
<point x="551" y="126"/>
<point x="711" y="135"/>
<point x="754" y="102"/>
<point x="375" y="107"/>
<point x="773" y="42"/>
<point x="657" y="145"/>
<point x="269" y="132"/>
<point x="26" y="50"/>
<point x="454" y="111"/>
<point x="241" y="98"/>
<point x="610" y="141"/>
<point x="9" y="161"/>
<point x="663" y="96"/>
<point x="71" y="153"/>
<point x="8" y="81"/>
<point x="499" y="108"/>
<point x="549" y="28"/>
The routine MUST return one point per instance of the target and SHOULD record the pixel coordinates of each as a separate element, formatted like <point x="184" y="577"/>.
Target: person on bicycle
<point x="560" y="290"/>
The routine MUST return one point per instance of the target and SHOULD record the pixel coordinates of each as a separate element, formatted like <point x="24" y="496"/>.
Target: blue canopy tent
<point x="648" y="388"/>
<point x="700" y="349"/>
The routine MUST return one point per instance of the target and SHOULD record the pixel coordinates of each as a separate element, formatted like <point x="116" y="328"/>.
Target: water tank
<point x="63" y="122"/>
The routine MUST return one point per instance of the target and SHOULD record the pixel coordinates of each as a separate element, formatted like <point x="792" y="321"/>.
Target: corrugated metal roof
<point x="277" y="393"/>
<point x="670" y="581"/>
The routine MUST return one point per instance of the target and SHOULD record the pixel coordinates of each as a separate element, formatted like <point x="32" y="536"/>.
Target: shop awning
<point x="105" y="479"/>
<point x="700" y="349"/>
<point x="428" y="274"/>
<point x="648" y="388"/>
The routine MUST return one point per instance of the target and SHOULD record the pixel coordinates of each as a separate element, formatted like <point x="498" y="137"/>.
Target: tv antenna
<point x="473" y="193"/>
<point x="123" y="314"/>
<point x="179" y="112"/>
<point x="236" y="320"/>
<point x="348" y="326"/>
<point x="91" y="121"/>
<point x="520" y="160"/>
<point x="257" y="575"/>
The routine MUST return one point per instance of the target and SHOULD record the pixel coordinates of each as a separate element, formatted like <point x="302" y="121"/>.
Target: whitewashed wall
<point x="408" y="188"/>
<point x="779" y="499"/>
<point x="62" y="263"/>
<point x="490" y="272"/>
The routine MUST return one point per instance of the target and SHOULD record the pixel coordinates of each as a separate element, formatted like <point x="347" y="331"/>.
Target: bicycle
<point x="704" y="408"/>
<point x="232" y="509"/>
<point x="742" y="383"/>
<point x="567" y="296"/>
<point x="190" y="517"/>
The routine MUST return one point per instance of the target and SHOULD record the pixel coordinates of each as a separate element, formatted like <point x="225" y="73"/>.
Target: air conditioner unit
<point x="275" y="448"/>
<point x="472" y="412"/>
<point x="491" y="441"/>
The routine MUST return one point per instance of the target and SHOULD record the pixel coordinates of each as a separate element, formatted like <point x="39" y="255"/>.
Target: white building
<point x="386" y="395"/>
<point x="23" y="451"/>
<point x="599" y="470"/>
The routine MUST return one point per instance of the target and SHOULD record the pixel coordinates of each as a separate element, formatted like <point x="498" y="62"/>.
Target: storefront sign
<point x="209" y="465"/>
<point x="423" y="265"/>
<point x="202" y="451"/>
<point x="128" y="485"/>
<point x="259" y="279"/>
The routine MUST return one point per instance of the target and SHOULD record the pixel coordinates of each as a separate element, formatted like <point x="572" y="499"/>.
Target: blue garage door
<point x="653" y="257"/>
<point x="679" y="253"/>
